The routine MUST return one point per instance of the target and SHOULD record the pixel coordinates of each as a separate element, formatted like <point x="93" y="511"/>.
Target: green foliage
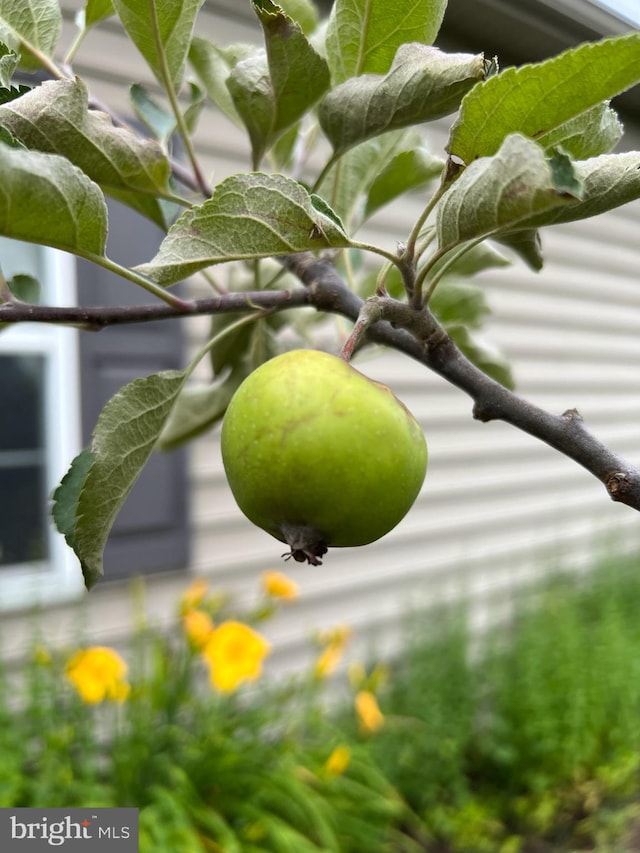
<point x="592" y="73"/>
<point x="337" y="123"/>
<point x="249" y="216"/>
<point x="530" y="735"/>
<point x="526" y="739"/>
<point x="208" y="771"/>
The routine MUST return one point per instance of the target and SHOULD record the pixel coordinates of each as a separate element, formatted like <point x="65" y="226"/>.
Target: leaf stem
<point x="170" y="90"/>
<point x="331" y="162"/>
<point x="417" y="228"/>
<point x="150" y="286"/>
<point x="454" y="256"/>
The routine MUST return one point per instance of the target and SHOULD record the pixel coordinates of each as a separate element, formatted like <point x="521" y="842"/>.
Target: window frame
<point x="58" y="579"/>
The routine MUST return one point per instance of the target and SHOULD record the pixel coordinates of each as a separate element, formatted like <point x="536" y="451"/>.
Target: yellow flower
<point x="278" y="585"/>
<point x="338" y="761"/>
<point x="194" y="595"/>
<point x="335" y="642"/>
<point x="98" y="673"/>
<point x="370" y="716"/>
<point x="234" y="653"/>
<point x="198" y="627"/>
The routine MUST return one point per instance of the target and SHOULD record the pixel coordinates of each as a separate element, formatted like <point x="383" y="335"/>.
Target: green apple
<point x="319" y="455"/>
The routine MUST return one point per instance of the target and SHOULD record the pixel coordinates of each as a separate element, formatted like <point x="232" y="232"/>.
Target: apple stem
<point x="305" y="542"/>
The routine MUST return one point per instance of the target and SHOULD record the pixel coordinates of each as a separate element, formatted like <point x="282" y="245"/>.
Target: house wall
<point x="497" y="508"/>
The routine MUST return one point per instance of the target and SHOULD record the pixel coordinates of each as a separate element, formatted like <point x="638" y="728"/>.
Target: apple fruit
<point x="319" y="455"/>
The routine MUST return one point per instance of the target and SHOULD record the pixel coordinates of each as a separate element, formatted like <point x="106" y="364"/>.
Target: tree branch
<point x="419" y="335"/>
<point x="415" y="333"/>
<point x="94" y="318"/>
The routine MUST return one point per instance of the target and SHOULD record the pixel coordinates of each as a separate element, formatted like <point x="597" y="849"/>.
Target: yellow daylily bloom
<point x="278" y="585"/>
<point x="234" y="653"/>
<point x="338" y="761"/>
<point x="334" y="641"/>
<point x="198" y="627"/>
<point x="194" y="595"/>
<point x="98" y="673"/>
<point x="369" y="714"/>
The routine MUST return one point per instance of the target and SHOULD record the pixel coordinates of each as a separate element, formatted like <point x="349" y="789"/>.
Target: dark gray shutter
<point x="150" y="533"/>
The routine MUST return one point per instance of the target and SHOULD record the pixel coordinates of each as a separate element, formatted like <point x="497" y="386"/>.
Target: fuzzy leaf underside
<point x="54" y="118"/>
<point x="102" y="477"/>
<point x="249" y="216"/>
<point x="213" y="65"/>
<point x="502" y="192"/>
<point x="537" y="99"/>
<point x="45" y="199"/>
<point x="423" y="84"/>
<point x="608" y="181"/>
<point x="274" y="88"/>
<point x="363" y="36"/>
<point x="8" y="64"/>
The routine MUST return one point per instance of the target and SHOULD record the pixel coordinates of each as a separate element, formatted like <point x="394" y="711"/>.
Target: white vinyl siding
<point x="497" y="505"/>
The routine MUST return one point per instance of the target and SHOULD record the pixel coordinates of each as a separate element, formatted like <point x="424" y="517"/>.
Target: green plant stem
<point x="331" y="162"/>
<point x="150" y="286"/>
<point x="414" y="236"/>
<point x="75" y="44"/>
<point x="46" y="63"/>
<point x="437" y="277"/>
<point x="377" y="250"/>
<point x="170" y="90"/>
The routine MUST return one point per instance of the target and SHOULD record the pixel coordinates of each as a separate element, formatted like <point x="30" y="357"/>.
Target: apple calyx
<point x="305" y="543"/>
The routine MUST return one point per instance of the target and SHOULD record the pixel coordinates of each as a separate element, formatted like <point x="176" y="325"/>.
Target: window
<point x="39" y="435"/>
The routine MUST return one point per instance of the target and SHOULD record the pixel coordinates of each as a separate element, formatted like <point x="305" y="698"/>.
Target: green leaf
<point x="7" y="138"/>
<point x="64" y="507"/>
<point x="476" y="259"/>
<point x="12" y="93"/>
<point x="160" y="29"/>
<point x="364" y="35"/>
<point x="456" y="301"/>
<point x="8" y="64"/>
<point x="500" y="193"/>
<point x="271" y="93"/>
<point x="347" y="183"/>
<point x="608" y="181"/>
<point x="24" y="287"/>
<point x="124" y="437"/>
<point x="303" y="12"/>
<point x="195" y="106"/>
<point x="30" y="24"/>
<point x="55" y="118"/>
<point x="213" y="65"/>
<point x="249" y="216"/>
<point x="596" y="131"/>
<point x="96" y="11"/>
<point x="198" y="408"/>
<point x="537" y="99"/>
<point x="407" y="170"/>
<point x="45" y="199"/>
<point x="159" y="121"/>
<point x="482" y="354"/>
<point x="525" y="243"/>
<point x="423" y="84"/>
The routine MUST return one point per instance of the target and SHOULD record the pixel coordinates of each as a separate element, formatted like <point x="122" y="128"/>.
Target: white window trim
<point x="60" y="578"/>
